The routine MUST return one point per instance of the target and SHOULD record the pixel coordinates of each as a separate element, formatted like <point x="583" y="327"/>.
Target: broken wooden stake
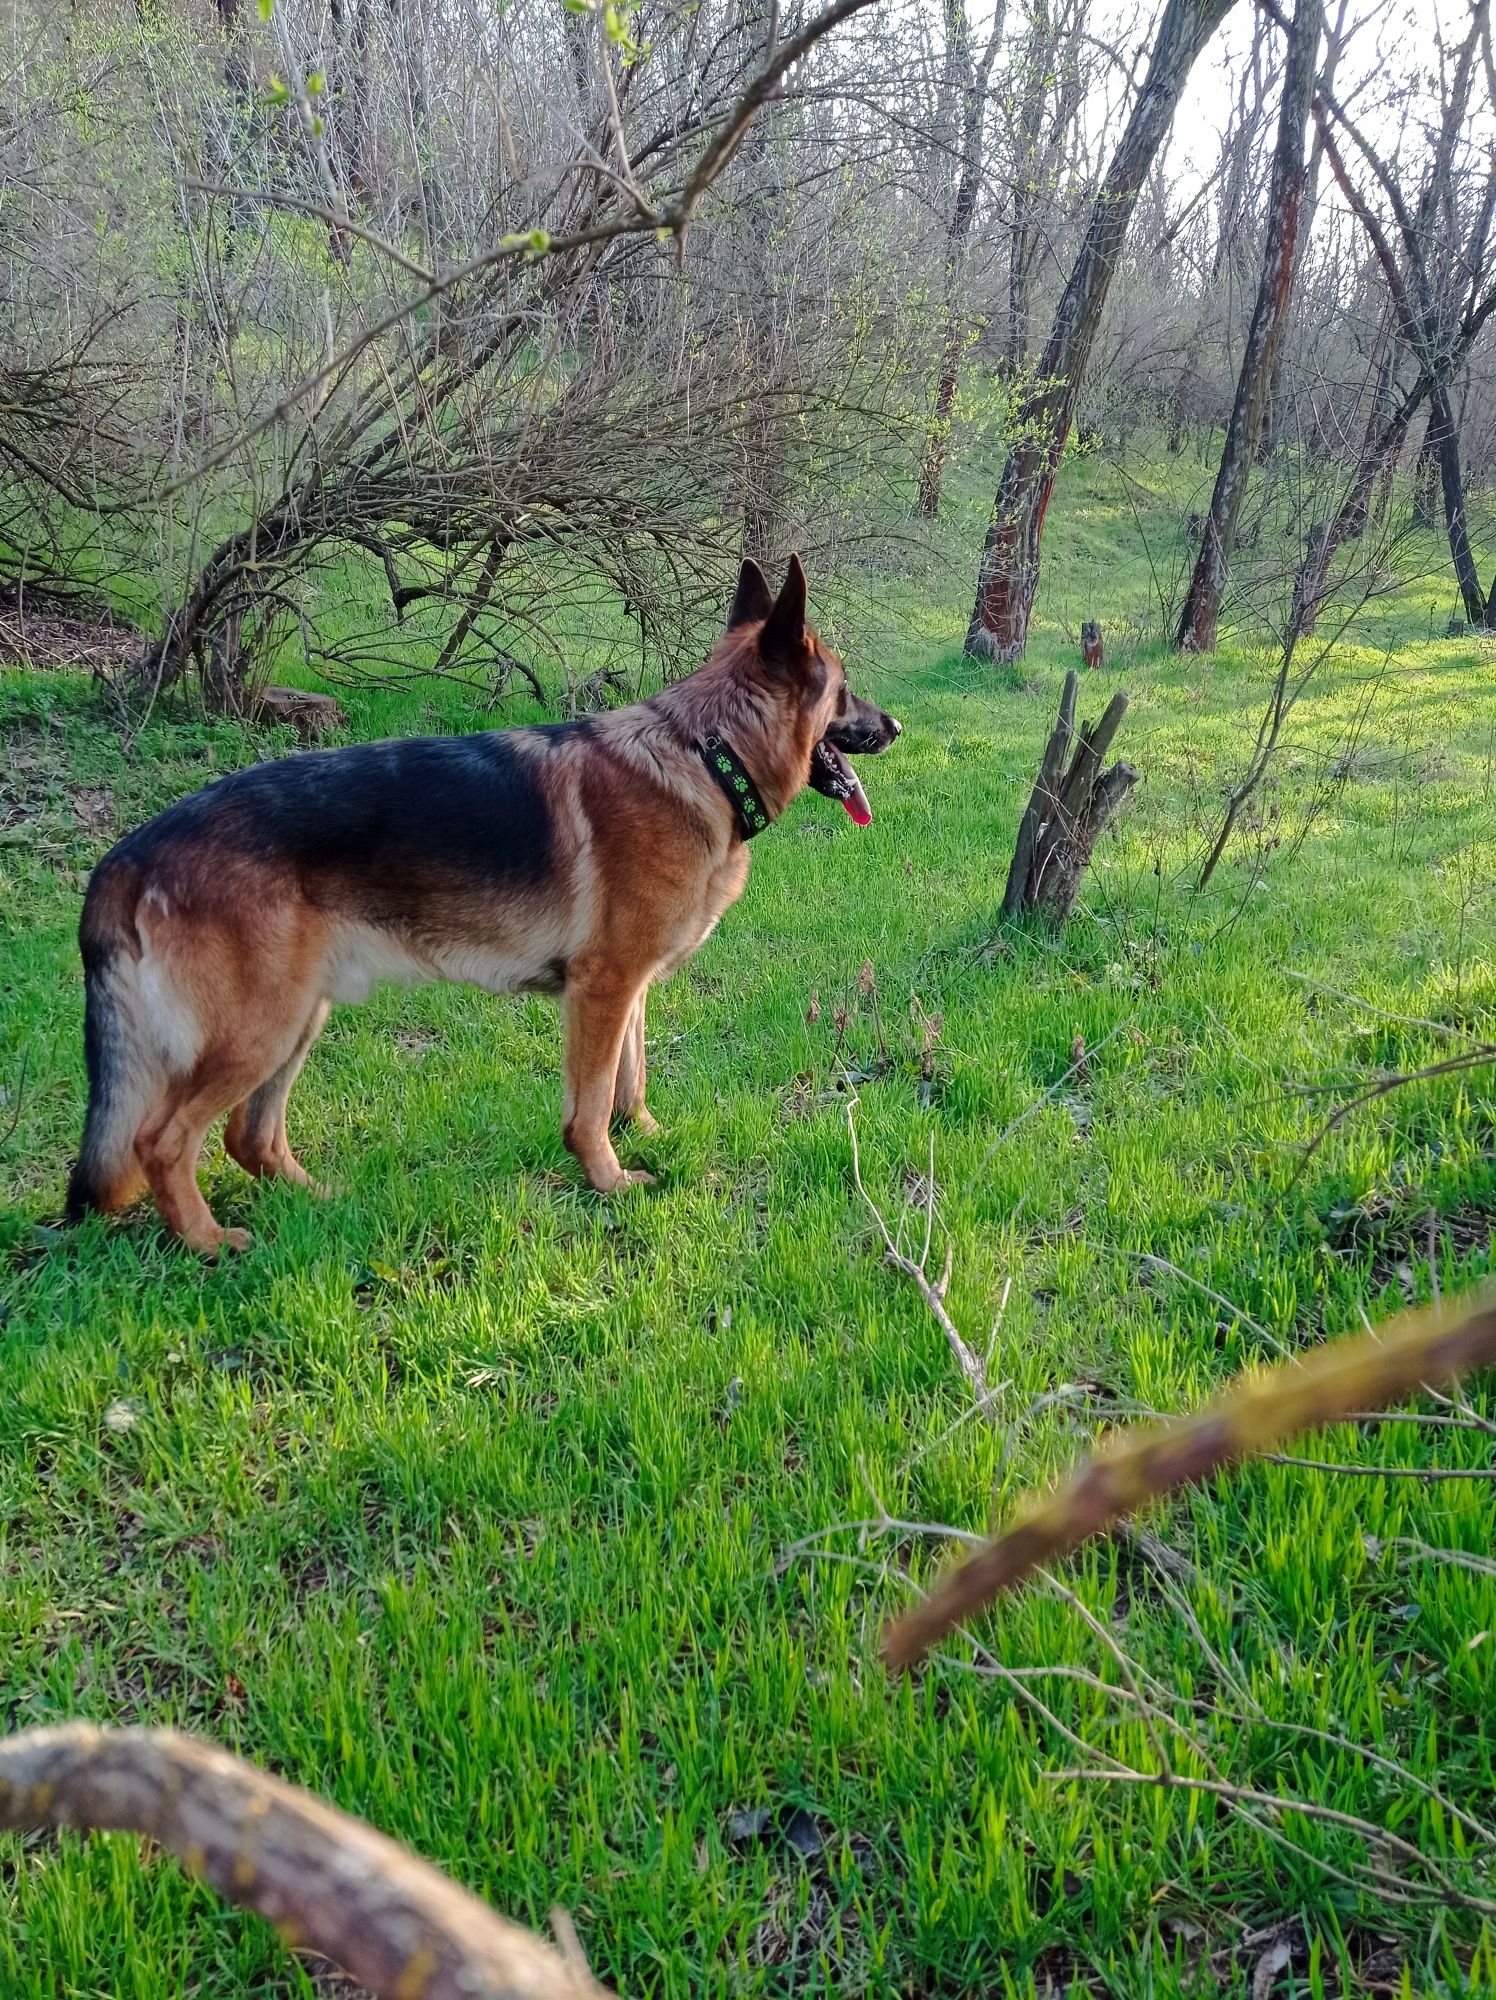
<point x="1071" y="803"/>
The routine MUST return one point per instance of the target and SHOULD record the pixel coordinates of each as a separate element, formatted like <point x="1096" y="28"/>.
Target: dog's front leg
<point x="601" y="1013"/>
<point x="628" y="1096"/>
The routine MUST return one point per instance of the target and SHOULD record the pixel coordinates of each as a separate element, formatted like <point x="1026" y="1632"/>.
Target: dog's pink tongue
<point x="857" y="805"/>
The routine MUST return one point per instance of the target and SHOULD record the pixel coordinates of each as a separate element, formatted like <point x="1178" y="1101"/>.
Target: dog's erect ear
<point x="751" y="602"/>
<point x="783" y="636"/>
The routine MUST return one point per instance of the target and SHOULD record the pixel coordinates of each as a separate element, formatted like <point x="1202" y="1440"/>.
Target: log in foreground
<point x="327" y="1882"/>
<point x="1067" y="811"/>
<point x="1325" y="1386"/>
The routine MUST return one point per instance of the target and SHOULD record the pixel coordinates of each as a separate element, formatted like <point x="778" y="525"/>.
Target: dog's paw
<point x="213" y="1242"/>
<point x="646" y="1122"/>
<point x="621" y="1178"/>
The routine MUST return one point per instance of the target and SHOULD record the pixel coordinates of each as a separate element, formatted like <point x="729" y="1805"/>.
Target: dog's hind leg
<point x="628" y="1094"/>
<point x="244" y="1045"/>
<point x="600" y="1008"/>
<point x="168" y="1145"/>
<point x="256" y="1132"/>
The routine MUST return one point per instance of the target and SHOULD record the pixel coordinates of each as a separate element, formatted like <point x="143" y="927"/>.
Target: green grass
<point x="480" y="1505"/>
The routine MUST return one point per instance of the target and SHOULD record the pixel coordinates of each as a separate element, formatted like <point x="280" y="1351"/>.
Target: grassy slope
<point x="461" y="1498"/>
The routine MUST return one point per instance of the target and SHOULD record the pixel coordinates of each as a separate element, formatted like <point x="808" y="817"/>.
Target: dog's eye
<point x="841" y="700"/>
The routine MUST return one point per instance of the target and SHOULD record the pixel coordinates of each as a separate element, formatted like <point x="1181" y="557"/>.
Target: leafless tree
<point x="1008" y="574"/>
<point x="1444" y="236"/>
<point x="1440" y="323"/>
<point x="1046" y="92"/>
<point x="959" y="139"/>
<point x="516" y="377"/>
<point x="1202" y="604"/>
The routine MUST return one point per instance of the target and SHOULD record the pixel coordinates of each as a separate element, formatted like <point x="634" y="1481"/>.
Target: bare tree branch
<point x="327" y="1882"/>
<point x="1434" y="1346"/>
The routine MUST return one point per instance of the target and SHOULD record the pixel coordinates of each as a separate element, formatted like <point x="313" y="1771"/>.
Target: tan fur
<point x="222" y="969"/>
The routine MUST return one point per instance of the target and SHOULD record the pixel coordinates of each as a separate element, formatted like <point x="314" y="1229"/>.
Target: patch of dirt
<point x="93" y="807"/>
<point x="1400" y="1249"/>
<point x="1277" y="1957"/>
<point x="51" y="639"/>
<point x="799" y="1942"/>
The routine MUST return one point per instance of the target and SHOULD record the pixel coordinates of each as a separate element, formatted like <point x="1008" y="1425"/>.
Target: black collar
<point x="726" y="766"/>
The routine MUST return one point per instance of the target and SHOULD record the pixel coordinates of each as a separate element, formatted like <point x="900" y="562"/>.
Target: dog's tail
<point x="123" y="1069"/>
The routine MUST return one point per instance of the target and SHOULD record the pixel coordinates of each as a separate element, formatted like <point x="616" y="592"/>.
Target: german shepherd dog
<point x="586" y="860"/>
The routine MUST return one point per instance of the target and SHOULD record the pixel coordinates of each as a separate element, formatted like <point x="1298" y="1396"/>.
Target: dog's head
<point x="830" y="722"/>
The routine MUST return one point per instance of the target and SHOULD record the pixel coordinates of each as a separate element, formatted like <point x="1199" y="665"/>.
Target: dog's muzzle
<point x="866" y="732"/>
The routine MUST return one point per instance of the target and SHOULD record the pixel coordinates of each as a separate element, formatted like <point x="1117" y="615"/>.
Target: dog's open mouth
<point x="832" y="774"/>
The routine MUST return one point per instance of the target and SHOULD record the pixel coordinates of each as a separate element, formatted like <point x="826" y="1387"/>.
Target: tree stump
<point x="310" y="715"/>
<point x="1073" y="800"/>
<point x="1091" y="648"/>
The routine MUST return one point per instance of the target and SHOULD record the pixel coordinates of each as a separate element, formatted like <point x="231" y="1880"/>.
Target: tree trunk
<point x="1009" y="571"/>
<point x="1202" y="605"/>
<point x="1273" y="409"/>
<point x="1068" y="810"/>
<point x="1238" y="145"/>
<point x="1383" y="370"/>
<point x="1426" y="478"/>
<point x="1377" y="455"/>
<point x="1445" y="432"/>
<point x="932" y="465"/>
<point x="1023" y="239"/>
<point x="351" y="101"/>
<point x="973" y="87"/>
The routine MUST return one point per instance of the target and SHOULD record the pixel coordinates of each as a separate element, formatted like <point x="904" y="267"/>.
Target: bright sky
<point x="1395" y="42"/>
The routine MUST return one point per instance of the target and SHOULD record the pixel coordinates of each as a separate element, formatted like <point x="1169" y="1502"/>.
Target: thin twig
<point x="933" y="1292"/>
<point x="1308" y="1808"/>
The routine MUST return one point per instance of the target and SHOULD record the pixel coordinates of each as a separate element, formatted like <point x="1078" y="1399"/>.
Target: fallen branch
<point x="933" y="1290"/>
<point x="1326" y="1386"/>
<point x="327" y="1882"/>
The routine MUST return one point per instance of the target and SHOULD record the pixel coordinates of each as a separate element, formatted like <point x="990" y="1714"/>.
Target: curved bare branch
<point x="327" y="1882"/>
<point x="1324" y="1387"/>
